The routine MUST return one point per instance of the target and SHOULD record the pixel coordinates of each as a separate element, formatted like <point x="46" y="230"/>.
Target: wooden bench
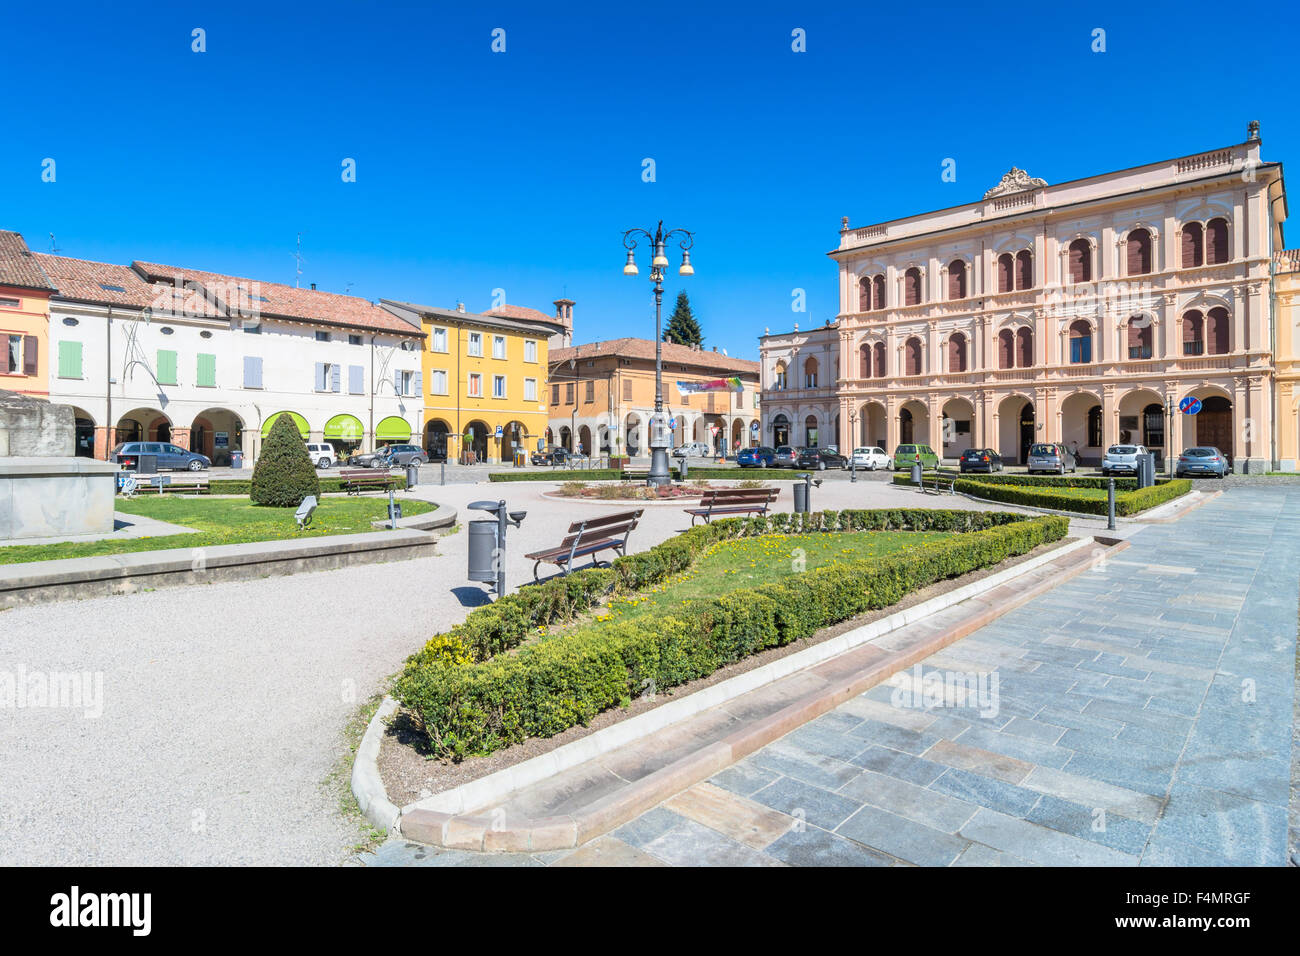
<point x="178" y="483"/>
<point x="365" y="479"/>
<point x="606" y="533"/>
<point x="733" y="501"/>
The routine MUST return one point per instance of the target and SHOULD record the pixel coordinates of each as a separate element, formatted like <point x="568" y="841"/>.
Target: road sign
<point x="1189" y="405"/>
<point x="500" y="431"/>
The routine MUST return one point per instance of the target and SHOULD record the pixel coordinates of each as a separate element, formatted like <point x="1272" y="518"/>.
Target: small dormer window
<point x="111" y="288"/>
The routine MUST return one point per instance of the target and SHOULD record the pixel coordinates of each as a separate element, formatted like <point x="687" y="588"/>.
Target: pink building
<point x="1081" y="312"/>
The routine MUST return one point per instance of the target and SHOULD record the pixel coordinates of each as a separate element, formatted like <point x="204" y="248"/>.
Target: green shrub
<point x="557" y="474"/>
<point x="550" y="685"/>
<point x="1067" y="494"/>
<point x="284" y="474"/>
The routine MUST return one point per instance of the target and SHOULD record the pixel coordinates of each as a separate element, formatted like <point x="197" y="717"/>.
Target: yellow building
<point x="1286" y="355"/>
<point x="25" y="292"/>
<point x="484" y="378"/>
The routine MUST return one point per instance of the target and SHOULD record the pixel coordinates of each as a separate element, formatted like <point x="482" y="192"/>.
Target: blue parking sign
<point x="1189" y="405"/>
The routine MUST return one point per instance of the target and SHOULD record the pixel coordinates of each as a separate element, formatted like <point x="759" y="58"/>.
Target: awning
<point x="344" y="428"/>
<point x="393" y="428"/>
<point x="298" y="420"/>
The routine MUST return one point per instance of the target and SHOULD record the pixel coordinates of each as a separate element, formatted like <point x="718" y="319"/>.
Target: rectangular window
<point x="404" y="381"/>
<point x="9" y="303"/>
<point x="498" y="346"/>
<point x="439" y="341"/>
<point x="498" y="386"/>
<point x="328" y="377"/>
<point x="69" y="360"/>
<point x="438" y="382"/>
<point x="1139" y="351"/>
<point x="530" y="350"/>
<point x="530" y="390"/>
<point x="207" y="371"/>
<point x="252" y="372"/>
<point x="474" y="387"/>
<point x="568" y="393"/>
<point x="322" y="336"/>
<point x="13" y="355"/>
<point x="555" y="394"/>
<point x="354" y="339"/>
<point x="356" y="380"/>
<point x="589" y="391"/>
<point x="166" y="367"/>
<point x="1081" y="350"/>
<point x="627" y="390"/>
<point x="475" y="344"/>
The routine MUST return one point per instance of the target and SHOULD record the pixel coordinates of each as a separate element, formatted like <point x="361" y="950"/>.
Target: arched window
<point x="1217" y="340"/>
<point x="778" y="377"/>
<point x="864" y="361"/>
<point x="1006" y="349"/>
<point x="864" y="294"/>
<point x="1138" y="249"/>
<point x="1139" y="337"/>
<point x="880" y="359"/>
<point x="1193" y="245"/>
<point x="912" y="356"/>
<point x="956" y="279"/>
<point x="1024" y="347"/>
<point x="1024" y="269"/>
<point x="1193" y="333"/>
<point x="1006" y="272"/>
<point x="1094" y="427"/>
<point x="810" y="431"/>
<point x="810" y="372"/>
<point x="1080" y="343"/>
<point x="912" y="286"/>
<point x="878" y="292"/>
<point x="957" y="352"/>
<point x="1080" y="261"/>
<point x="1216" y="242"/>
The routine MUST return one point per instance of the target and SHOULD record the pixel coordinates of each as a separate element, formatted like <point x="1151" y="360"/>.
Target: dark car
<point x="391" y="456"/>
<point x="760" y="457"/>
<point x="171" y="457"/>
<point x="980" y="459"/>
<point x="553" y="457"/>
<point x="1049" y="457"/>
<point x="785" y="457"/>
<point x="821" y="459"/>
<point x="1205" y="460"/>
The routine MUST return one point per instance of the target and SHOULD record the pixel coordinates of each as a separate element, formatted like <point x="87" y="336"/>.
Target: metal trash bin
<point x="482" y="550"/>
<point x="236" y="459"/>
<point x="1146" y="470"/>
<point x="916" y="473"/>
<point x="412" y="475"/>
<point x="146" y="464"/>
<point x="802" y="494"/>
<point x="682" y="469"/>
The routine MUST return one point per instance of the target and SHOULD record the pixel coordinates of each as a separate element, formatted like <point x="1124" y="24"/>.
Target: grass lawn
<point x="219" y="521"/>
<point x="749" y="562"/>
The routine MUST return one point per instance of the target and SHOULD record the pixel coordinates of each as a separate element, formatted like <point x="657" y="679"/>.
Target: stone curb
<point x="440" y="517"/>
<point x="442" y="820"/>
<point x="1177" y="508"/>
<point x="367" y="786"/>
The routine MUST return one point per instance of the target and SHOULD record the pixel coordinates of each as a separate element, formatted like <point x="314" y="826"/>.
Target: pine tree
<point x="682" y="327"/>
<point x="284" y="474"/>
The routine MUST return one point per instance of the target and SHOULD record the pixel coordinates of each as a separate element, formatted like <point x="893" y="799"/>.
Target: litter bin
<point x="482" y="550"/>
<point x="916" y="472"/>
<point x="236" y="459"/>
<point x="147" y="464"/>
<point x="1146" y="475"/>
<point x="412" y="475"/>
<point x="682" y="469"/>
<point x="802" y="494"/>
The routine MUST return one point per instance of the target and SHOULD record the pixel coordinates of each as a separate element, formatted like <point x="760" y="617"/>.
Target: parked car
<point x="760" y="457"/>
<point x="554" y="456"/>
<point x="1051" y="457"/>
<point x="171" y="457"/>
<point x="871" y="458"/>
<point x="905" y="456"/>
<point x="322" y="455"/>
<point x="980" y="459"/>
<point x="1205" y="460"/>
<point x="1121" y="459"/>
<point x="390" y="456"/>
<point x="786" y="457"/>
<point x="692" y="449"/>
<point x="820" y="458"/>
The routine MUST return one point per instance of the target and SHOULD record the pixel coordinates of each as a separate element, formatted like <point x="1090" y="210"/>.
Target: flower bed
<point x="1077" y="494"/>
<point x="474" y="689"/>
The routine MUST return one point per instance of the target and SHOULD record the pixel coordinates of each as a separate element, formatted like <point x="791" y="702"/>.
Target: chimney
<point x="313" y="287"/>
<point x="460" y="307"/>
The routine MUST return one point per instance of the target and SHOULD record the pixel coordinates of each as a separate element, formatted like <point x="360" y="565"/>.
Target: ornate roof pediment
<point x="1015" y="181"/>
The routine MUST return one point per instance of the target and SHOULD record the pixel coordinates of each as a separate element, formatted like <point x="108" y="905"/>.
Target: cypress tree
<point x="284" y="474"/>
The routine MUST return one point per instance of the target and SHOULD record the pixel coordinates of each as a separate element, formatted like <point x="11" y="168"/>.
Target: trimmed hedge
<point x="242" y="486"/>
<point x="550" y="685"/>
<point x="557" y="474"/>
<point x="284" y="474"/>
<point x="1065" y="494"/>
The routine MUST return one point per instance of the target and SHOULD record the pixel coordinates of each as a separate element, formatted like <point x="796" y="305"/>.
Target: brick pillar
<point x="103" y="442"/>
<point x="181" y="437"/>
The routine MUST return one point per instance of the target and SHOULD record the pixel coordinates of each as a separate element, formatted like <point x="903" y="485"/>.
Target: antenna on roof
<point x="54" y="249"/>
<point x="298" y="256"/>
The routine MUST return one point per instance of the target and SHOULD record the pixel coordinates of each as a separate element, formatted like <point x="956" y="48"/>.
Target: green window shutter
<point x="69" y="360"/>
<point x="207" y="377"/>
<point x="166" y="367"/>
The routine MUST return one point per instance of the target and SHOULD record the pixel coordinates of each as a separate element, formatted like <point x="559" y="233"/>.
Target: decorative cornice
<point x="1015" y="181"/>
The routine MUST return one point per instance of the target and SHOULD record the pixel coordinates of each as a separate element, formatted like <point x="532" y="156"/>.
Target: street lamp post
<point x="853" y="436"/>
<point x="660" y="437"/>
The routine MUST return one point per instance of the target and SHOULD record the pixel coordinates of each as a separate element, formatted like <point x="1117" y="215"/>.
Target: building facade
<point x="1083" y="312"/>
<point x="24" y="319"/>
<point x="800" y="397"/>
<point x="485" y="378"/>
<point x="208" y="361"/>
<point x="602" y="397"/>
<point x="1286" y="298"/>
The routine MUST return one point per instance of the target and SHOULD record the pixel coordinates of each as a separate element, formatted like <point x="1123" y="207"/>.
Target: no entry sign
<point x="1189" y="405"/>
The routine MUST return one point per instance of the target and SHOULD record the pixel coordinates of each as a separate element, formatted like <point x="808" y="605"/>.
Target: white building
<point x="800" y="402"/>
<point x="208" y="361"/>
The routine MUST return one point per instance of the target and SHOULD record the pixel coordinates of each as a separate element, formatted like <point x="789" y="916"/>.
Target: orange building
<point x="24" y="319"/>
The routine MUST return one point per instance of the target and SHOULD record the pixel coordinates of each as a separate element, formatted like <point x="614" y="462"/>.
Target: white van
<point x="322" y="455"/>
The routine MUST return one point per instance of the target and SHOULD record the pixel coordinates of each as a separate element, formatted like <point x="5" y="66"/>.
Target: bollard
<point x="442" y="472"/>
<point x="1110" y="505"/>
<point x="681" y="471"/>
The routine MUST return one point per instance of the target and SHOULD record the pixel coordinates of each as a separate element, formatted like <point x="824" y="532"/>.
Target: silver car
<point x="1051" y="457"/>
<point x="1204" y="460"/>
<point x="1121" y="459"/>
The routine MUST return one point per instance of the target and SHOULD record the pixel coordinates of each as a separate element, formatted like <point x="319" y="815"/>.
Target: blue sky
<point x="520" y="170"/>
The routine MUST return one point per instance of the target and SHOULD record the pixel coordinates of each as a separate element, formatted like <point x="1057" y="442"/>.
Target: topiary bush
<point x="284" y="474"/>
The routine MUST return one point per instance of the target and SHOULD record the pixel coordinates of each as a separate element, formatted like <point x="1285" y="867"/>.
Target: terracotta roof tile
<point x="645" y="349"/>
<point x="1287" y="260"/>
<point x="18" y="266"/>
<point x="521" y="312"/>
<point x="100" y="282"/>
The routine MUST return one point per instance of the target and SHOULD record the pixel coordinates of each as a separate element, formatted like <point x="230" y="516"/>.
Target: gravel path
<point x="224" y="705"/>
